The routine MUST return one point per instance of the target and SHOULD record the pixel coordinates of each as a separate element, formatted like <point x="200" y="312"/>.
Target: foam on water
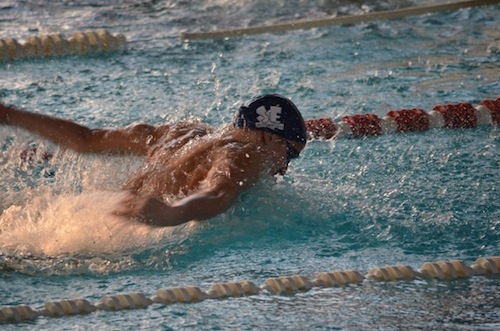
<point x="80" y="224"/>
<point x="64" y="206"/>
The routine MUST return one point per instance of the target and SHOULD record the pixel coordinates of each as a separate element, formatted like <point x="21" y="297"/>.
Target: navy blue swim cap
<point x="272" y="113"/>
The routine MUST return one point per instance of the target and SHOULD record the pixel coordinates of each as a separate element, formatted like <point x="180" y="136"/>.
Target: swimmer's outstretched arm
<point x="134" y="139"/>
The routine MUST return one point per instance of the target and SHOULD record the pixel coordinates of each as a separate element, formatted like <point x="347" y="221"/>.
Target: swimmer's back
<point x="173" y="137"/>
<point x="180" y="161"/>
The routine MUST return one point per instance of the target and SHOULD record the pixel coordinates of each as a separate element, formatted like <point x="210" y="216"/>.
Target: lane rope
<point x="322" y="22"/>
<point x="80" y="43"/>
<point x="453" y="116"/>
<point x="441" y="271"/>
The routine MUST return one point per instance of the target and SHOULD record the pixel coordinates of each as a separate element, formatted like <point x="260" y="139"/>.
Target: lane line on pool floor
<point x="441" y="270"/>
<point x="337" y="20"/>
<point x="101" y="41"/>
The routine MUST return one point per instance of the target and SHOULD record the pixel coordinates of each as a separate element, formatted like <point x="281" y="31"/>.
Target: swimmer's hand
<point x="147" y="209"/>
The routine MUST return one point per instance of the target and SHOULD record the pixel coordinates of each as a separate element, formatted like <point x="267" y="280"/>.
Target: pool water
<point x="344" y="204"/>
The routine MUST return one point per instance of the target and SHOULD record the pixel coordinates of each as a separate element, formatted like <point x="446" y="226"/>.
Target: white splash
<point x="81" y="224"/>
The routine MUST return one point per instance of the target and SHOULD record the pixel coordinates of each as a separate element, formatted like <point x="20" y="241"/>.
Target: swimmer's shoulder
<point x="164" y="132"/>
<point x="239" y="152"/>
<point x="191" y="129"/>
<point x="174" y="128"/>
<point x="172" y="137"/>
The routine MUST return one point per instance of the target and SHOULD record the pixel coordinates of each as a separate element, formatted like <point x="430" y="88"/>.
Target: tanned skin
<point x="190" y="171"/>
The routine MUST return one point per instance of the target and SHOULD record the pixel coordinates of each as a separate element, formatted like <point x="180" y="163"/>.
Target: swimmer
<point x="191" y="171"/>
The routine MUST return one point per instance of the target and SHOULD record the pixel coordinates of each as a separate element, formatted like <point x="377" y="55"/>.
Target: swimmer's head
<point x="272" y="113"/>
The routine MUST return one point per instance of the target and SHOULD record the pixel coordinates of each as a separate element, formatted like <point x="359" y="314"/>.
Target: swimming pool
<point x="345" y="204"/>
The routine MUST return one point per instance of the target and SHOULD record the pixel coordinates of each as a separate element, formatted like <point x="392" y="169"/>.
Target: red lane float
<point x="321" y="128"/>
<point x="409" y="120"/>
<point x="454" y="116"/>
<point x="460" y="116"/>
<point x="364" y="125"/>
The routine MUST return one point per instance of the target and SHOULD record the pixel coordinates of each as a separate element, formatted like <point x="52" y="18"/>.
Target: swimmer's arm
<point x="199" y="206"/>
<point x="231" y="174"/>
<point x="221" y="189"/>
<point x="204" y="205"/>
<point x="134" y="139"/>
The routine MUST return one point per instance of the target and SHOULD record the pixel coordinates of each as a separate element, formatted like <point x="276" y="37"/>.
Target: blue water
<point x="345" y="204"/>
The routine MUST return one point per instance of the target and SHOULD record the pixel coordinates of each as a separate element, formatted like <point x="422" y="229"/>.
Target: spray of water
<point x="62" y="206"/>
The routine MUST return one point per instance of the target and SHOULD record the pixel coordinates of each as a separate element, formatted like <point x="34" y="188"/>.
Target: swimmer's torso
<point x="181" y="159"/>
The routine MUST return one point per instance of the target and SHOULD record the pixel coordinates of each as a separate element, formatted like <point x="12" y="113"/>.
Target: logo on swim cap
<point x="269" y="118"/>
<point x="272" y="113"/>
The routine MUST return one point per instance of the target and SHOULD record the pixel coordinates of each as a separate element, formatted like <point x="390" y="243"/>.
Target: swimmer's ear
<point x="264" y="138"/>
<point x="267" y="137"/>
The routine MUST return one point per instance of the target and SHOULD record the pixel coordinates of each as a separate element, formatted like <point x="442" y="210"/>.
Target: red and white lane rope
<point x="454" y="116"/>
<point x="461" y="115"/>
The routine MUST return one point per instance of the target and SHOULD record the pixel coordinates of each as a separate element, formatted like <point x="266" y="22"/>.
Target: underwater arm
<point x="218" y="193"/>
<point x="78" y="137"/>
<point x="199" y="206"/>
<point x="203" y="205"/>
